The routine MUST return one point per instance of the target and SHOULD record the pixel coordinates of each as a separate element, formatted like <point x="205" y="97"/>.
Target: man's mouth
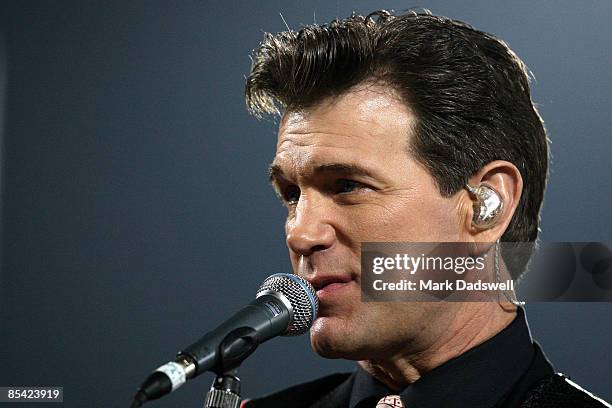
<point x="327" y="286"/>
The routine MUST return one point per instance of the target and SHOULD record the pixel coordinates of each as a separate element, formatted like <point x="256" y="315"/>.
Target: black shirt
<point x="480" y="378"/>
<point x="507" y="371"/>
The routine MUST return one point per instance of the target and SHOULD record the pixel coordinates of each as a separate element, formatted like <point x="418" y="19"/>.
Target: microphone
<point x="285" y="305"/>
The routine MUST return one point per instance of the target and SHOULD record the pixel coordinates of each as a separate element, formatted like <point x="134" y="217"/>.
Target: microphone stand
<point x="225" y="391"/>
<point x="235" y="347"/>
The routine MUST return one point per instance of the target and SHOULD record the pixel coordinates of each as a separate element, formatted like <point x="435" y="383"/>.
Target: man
<point x="401" y="128"/>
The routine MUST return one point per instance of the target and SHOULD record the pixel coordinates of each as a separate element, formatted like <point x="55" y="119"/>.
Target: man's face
<point x="344" y="172"/>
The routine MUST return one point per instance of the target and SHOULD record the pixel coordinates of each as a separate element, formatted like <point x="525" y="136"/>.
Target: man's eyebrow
<point x="275" y="171"/>
<point x="345" y="169"/>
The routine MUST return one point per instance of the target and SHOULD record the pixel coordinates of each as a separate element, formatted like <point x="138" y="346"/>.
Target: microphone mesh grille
<point x="301" y="295"/>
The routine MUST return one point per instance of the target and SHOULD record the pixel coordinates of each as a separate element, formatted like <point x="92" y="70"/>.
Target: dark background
<point x="136" y="210"/>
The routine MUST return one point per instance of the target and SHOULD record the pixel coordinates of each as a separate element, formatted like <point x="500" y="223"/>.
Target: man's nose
<point x="310" y="229"/>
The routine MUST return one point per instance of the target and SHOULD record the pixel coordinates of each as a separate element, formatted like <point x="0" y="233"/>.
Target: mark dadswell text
<point x="447" y="285"/>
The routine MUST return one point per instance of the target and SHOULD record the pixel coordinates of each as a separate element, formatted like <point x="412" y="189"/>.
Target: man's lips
<point x="328" y="285"/>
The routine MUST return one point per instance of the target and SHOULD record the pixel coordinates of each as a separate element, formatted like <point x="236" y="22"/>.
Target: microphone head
<point x="300" y="294"/>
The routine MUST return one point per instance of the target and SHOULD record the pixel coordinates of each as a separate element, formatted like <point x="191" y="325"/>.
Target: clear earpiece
<point x="487" y="207"/>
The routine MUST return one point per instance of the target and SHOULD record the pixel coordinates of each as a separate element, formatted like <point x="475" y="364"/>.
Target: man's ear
<point x="498" y="181"/>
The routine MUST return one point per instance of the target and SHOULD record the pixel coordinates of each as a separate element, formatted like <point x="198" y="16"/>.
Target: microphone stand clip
<point x="235" y="347"/>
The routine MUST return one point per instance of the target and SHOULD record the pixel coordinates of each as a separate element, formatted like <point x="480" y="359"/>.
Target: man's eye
<point x="347" y="186"/>
<point x="291" y="195"/>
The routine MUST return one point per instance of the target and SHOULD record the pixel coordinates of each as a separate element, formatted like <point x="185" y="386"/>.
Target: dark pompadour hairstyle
<point x="469" y="91"/>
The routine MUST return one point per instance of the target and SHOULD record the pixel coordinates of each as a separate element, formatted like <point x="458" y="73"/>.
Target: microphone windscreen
<point x="300" y="294"/>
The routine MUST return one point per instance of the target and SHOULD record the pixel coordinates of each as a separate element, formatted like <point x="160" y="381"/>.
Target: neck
<point x="472" y="325"/>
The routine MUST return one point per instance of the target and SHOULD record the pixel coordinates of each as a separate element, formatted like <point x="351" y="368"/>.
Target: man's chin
<point x="330" y="338"/>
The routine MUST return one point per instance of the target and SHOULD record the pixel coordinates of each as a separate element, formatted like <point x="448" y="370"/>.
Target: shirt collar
<point x="482" y="375"/>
